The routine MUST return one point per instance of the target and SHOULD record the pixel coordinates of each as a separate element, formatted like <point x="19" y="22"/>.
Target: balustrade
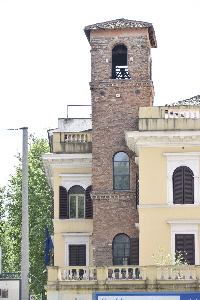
<point x="176" y="272"/>
<point x="74" y="273"/>
<point x="177" y="113"/>
<point x="76" y="138"/>
<point x="122" y="273"/>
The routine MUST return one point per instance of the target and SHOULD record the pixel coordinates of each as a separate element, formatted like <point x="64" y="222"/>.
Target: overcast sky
<point x="45" y="59"/>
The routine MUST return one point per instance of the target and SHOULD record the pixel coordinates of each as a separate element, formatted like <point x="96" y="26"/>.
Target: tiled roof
<point x="123" y="23"/>
<point x="191" y="101"/>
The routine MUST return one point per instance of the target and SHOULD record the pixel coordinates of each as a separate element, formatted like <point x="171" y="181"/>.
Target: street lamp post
<point x="25" y="222"/>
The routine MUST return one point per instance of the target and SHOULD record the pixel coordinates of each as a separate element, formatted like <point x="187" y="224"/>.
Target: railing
<point x="158" y="118"/>
<point x="121" y="273"/>
<point x="124" y="273"/>
<point x="191" y="113"/>
<point x="74" y="273"/>
<point x="176" y="273"/>
<point x="121" y="72"/>
<point x="76" y="138"/>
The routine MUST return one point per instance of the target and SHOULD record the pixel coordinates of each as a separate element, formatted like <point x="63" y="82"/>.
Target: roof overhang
<point x="121" y="24"/>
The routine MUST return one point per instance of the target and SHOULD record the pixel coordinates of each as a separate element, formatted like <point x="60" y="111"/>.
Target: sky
<point x="45" y="59"/>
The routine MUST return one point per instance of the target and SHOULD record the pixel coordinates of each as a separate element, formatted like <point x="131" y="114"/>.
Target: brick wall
<point x="115" y="211"/>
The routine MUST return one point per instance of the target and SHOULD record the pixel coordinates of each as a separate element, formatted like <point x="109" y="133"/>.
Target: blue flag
<point x="48" y="247"/>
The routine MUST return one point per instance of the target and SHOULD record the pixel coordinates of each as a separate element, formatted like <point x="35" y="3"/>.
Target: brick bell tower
<point x="120" y="83"/>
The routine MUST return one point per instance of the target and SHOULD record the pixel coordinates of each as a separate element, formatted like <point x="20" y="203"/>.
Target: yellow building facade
<point x="163" y="144"/>
<point x="125" y="181"/>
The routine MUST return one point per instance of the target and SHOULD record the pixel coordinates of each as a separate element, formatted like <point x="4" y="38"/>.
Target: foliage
<point x="162" y="258"/>
<point x="40" y="202"/>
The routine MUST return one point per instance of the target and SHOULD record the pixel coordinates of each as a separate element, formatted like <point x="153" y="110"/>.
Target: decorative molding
<point x="167" y="205"/>
<point x="172" y="222"/>
<point x="69" y="180"/>
<point x="74" y="234"/>
<point x="182" y="159"/>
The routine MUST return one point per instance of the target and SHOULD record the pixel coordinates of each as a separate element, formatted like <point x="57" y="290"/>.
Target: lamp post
<point x="25" y="223"/>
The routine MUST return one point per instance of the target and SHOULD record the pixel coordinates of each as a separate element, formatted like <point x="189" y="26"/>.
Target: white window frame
<point x="175" y="160"/>
<point x="185" y="227"/>
<point x="76" y="239"/>
<point x="76" y="195"/>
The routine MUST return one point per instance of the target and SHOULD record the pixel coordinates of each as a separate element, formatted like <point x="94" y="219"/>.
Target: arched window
<point x="119" y="62"/>
<point x="121" y="250"/>
<point x="121" y="171"/>
<point x="76" y="202"/>
<point x="183" y="185"/>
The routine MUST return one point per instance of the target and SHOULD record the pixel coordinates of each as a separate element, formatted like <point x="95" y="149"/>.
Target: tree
<point x="40" y="204"/>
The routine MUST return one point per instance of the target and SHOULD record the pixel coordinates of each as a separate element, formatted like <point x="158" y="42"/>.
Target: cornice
<point x="143" y="139"/>
<point x="171" y="222"/>
<point x="52" y="161"/>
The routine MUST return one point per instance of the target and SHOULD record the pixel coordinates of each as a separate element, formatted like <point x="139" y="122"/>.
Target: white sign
<point x="153" y="297"/>
<point x="10" y="289"/>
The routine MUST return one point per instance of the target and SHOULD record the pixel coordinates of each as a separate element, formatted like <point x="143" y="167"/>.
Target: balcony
<point x="129" y="277"/>
<point x="71" y="142"/>
<point x="169" y="118"/>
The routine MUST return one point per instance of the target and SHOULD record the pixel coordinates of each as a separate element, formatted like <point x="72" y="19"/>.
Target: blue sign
<point x="148" y="296"/>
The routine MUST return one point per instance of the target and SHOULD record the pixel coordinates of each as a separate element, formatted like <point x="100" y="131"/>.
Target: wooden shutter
<point x="185" y="244"/>
<point x="63" y="203"/>
<point x="188" y="186"/>
<point x="137" y="190"/>
<point x="178" y="186"/>
<point x="88" y="203"/>
<point x="77" y="255"/>
<point x="52" y="205"/>
<point x="134" y="251"/>
<point x="183" y="186"/>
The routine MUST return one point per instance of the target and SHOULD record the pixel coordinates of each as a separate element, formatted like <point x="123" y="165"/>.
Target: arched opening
<point x="121" y="250"/>
<point x="119" y="62"/>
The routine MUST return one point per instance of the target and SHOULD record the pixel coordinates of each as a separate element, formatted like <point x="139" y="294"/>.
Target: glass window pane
<point x="121" y="171"/>
<point x="121" y="156"/>
<point x="77" y="189"/>
<point x="117" y="182"/>
<point x="125" y="183"/>
<point x="121" y="250"/>
<point x="121" y="168"/>
<point x="81" y="206"/>
<point x="72" y="207"/>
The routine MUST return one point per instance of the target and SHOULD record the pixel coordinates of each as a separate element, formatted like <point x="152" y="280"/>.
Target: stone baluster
<point x="190" y="271"/>
<point x="162" y="273"/>
<point x="169" y="273"/>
